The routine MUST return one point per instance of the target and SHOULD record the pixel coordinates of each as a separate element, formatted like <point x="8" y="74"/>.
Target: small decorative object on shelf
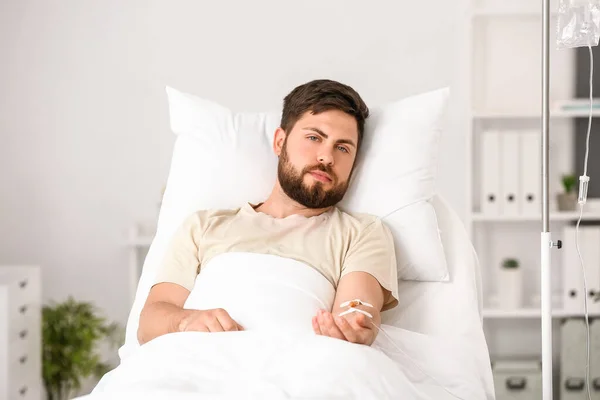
<point x="567" y="201"/>
<point x="510" y="290"/>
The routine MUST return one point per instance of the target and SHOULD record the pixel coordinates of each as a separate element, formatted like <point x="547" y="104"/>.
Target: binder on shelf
<point x="572" y="279"/>
<point x="509" y="173"/>
<point x="490" y="173"/>
<point x="531" y="171"/>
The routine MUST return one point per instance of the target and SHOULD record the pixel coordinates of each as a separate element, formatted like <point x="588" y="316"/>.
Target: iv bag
<point x="578" y="23"/>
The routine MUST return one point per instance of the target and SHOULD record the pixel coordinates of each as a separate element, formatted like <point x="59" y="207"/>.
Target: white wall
<point x="85" y="145"/>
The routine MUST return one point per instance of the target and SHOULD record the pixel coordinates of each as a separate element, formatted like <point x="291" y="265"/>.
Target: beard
<point x="315" y="196"/>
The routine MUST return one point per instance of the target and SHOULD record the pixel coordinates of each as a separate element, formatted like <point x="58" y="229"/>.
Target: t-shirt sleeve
<point x="182" y="259"/>
<point x="373" y="252"/>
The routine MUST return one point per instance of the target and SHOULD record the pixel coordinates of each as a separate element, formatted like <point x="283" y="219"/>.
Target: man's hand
<point x="217" y="320"/>
<point x="354" y="327"/>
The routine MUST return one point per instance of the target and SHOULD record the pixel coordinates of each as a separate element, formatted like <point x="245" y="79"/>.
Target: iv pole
<point x="546" y="238"/>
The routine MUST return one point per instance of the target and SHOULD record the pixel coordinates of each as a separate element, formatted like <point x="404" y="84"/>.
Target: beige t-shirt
<point x="334" y="243"/>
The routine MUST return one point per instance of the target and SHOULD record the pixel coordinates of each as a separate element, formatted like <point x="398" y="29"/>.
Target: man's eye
<point x="343" y="149"/>
<point x="313" y="138"/>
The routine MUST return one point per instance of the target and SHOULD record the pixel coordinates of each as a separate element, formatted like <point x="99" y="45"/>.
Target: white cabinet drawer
<point x="24" y="296"/>
<point x="19" y="310"/>
<point x="22" y="329"/>
<point x="24" y="359"/>
<point x="25" y="390"/>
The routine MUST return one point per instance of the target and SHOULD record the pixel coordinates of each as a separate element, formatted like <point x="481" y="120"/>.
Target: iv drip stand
<point x="546" y="238"/>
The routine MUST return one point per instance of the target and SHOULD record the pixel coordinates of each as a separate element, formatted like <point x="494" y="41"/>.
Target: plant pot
<point x="510" y="288"/>
<point x="567" y="201"/>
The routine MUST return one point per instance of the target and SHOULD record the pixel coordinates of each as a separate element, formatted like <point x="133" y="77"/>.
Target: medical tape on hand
<point x="352" y="309"/>
<point x="354" y="303"/>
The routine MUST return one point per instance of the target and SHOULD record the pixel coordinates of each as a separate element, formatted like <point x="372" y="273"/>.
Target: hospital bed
<point x="438" y="326"/>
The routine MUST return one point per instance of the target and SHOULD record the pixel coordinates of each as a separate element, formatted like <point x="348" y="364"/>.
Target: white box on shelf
<point x="531" y="172"/>
<point x="509" y="173"/>
<point x="517" y="379"/>
<point x="572" y="359"/>
<point x="490" y="173"/>
<point x="510" y="288"/>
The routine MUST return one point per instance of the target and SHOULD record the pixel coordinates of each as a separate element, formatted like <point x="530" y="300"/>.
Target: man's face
<point x="316" y="158"/>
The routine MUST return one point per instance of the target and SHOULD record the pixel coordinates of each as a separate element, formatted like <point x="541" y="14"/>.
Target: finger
<point x="315" y="325"/>
<point x="347" y="330"/>
<point x="364" y="329"/>
<point x="332" y="329"/>
<point x="239" y="327"/>
<point x="361" y="320"/>
<point x="192" y="324"/>
<point x="183" y="325"/>
<point x="227" y="322"/>
<point x="195" y="326"/>
<point x="214" y="325"/>
<point x="321" y="323"/>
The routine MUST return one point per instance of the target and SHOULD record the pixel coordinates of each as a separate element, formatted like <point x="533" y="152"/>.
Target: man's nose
<point x="326" y="158"/>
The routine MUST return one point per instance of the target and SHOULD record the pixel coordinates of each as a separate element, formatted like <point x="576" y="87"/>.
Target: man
<point x="317" y="143"/>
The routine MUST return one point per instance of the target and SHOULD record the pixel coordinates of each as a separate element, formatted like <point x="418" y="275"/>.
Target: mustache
<point x="322" y="168"/>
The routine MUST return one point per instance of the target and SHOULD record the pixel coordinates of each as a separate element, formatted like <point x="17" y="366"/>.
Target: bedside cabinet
<point x="20" y="333"/>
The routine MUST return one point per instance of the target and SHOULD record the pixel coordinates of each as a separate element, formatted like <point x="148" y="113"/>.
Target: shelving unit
<point x="554" y="216"/>
<point x="505" y="95"/>
<point x="557" y="114"/>
<point x="530" y="313"/>
<point x="138" y="243"/>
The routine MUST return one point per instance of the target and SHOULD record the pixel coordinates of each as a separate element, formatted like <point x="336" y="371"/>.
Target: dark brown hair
<point x="322" y="95"/>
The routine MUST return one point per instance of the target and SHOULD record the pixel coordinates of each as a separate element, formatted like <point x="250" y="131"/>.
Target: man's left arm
<point x="370" y="265"/>
<point x="363" y="286"/>
<point x="353" y="327"/>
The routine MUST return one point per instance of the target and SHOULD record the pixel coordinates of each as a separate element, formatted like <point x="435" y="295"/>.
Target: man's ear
<point x="278" y="141"/>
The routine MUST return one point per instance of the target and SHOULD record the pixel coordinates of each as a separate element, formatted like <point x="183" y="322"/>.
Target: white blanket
<point x="278" y="356"/>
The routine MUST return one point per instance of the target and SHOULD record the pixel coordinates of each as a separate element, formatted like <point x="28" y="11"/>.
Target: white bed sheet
<point x="450" y="310"/>
<point x="261" y="365"/>
<point x="442" y="354"/>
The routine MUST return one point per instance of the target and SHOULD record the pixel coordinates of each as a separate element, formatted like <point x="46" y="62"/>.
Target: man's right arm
<point x="164" y="313"/>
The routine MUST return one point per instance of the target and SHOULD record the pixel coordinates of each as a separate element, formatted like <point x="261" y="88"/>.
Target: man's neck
<point x="279" y="205"/>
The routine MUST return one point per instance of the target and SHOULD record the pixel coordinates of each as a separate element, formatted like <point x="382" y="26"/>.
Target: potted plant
<point x="71" y="333"/>
<point x="510" y="282"/>
<point x="567" y="201"/>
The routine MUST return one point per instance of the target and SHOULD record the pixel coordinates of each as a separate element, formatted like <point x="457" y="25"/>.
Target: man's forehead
<point x="331" y="122"/>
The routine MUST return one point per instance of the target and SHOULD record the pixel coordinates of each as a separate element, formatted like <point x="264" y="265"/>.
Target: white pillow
<point x="222" y="159"/>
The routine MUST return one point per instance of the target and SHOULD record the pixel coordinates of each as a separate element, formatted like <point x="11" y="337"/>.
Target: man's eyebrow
<point x="320" y="132"/>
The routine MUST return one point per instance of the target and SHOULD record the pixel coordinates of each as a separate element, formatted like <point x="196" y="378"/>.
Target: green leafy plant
<point x="510" y="263"/>
<point x="71" y="333"/>
<point x="569" y="182"/>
